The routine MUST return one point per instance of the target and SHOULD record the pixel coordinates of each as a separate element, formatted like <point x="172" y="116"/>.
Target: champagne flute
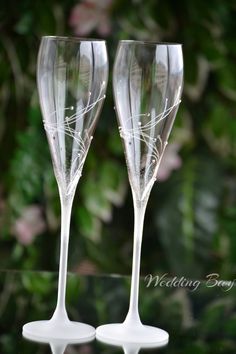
<point x="72" y="77"/>
<point x="147" y="84"/>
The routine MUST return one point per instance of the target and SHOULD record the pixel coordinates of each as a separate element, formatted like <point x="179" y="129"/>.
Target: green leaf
<point x="23" y="26"/>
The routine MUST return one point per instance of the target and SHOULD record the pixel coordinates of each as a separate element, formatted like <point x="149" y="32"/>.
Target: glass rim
<point x="73" y="39"/>
<point x="130" y="41"/>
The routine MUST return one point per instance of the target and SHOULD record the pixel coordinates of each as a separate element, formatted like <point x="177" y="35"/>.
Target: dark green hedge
<point x="190" y="224"/>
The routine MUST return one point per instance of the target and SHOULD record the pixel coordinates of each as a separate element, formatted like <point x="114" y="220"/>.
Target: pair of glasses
<point x="72" y="75"/>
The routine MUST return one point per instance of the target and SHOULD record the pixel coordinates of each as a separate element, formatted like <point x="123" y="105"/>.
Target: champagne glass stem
<point x="139" y="213"/>
<point x="66" y="206"/>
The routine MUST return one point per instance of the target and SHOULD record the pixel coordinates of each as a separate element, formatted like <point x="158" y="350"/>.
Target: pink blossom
<point x="86" y="267"/>
<point x="170" y="161"/>
<point x="29" y="225"/>
<point x="2" y="207"/>
<point x="85" y="349"/>
<point x="2" y="204"/>
<point x="91" y="15"/>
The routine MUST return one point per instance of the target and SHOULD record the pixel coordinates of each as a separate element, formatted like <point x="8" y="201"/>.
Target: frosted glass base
<point x="47" y="330"/>
<point x="120" y="333"/>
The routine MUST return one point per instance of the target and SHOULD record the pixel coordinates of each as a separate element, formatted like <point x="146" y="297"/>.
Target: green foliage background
<point x="191" y="217"/>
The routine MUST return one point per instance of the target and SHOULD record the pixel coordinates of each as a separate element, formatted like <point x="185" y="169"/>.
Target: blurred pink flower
<point x="29" y="225"/>
<point x="2" y="203"/>
<point x="91" y="15"/>
<point x="86" y="267"/>
<point x="85" y="349"/>
<point x="170" y="161"/>
<point x="2" y="207"/>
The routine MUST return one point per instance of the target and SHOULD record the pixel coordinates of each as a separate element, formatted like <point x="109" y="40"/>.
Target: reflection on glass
<point x="147" y="82"/>
<point x="72" y="78"/>
<point x="57" y="346"/>
<point x="130" y="348"/>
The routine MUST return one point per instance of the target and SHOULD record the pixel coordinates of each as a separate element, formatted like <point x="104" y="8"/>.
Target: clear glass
<point x="147" y="83"/>
<point x="72" y="76"/>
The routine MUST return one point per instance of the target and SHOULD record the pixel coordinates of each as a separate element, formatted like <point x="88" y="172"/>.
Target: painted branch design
<point x="155" y="145"/>
<point x="81" y="138"/>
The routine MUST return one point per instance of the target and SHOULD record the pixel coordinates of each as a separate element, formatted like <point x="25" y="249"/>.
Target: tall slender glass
<point x="72" y="77"/>
<point x="147" y="83"/>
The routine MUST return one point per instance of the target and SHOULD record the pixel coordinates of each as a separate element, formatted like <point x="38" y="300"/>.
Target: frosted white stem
<point x="66" y="206"/>
<point x="139" y="213"/>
